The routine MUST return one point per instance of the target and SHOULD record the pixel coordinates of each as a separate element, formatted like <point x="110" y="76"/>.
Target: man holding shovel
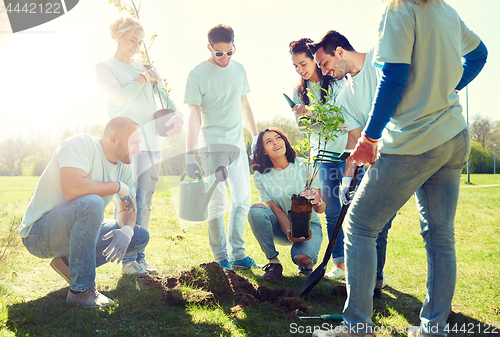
<point x="216" y="94"/>
<point x="424" y="148"/>
<point x="355" y="97"/>
<point x="65" y="218"/>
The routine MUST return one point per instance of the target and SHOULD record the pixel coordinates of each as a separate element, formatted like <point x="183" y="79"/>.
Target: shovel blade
<point x="312" y="280"/>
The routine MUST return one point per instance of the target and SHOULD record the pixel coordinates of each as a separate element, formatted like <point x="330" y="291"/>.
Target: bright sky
<point x="47" y="73"/>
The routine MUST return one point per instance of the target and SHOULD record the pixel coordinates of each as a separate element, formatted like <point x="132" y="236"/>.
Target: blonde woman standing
<point x="128" y="85"/>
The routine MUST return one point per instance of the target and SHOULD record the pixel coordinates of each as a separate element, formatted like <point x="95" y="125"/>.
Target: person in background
<point x="278" y="175"/>
<point x="65" y="218"/>
<point x="420" y="48"/>
<point x="330" y="173"/>
<point x="216" y="92"/>
<point x="130" y="90"/>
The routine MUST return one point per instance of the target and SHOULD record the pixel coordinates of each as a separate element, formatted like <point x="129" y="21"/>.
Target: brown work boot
<point x="89" y="298"/>
<point x="61" y="266"/>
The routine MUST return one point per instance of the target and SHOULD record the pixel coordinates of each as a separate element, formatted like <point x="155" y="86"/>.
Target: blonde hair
<point x="123" y="25"/>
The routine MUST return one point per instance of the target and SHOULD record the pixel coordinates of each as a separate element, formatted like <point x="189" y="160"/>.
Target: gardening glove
<point x="313" y="196"/>
<point x="365" y="151"/>
<point x="118" y="247"/>
<point x="177" y="122"/>
<point x="254" y="143"/>
<point x="345" y="195"/>
<point x="125" y="196"/>
<point x="192" y="166"/>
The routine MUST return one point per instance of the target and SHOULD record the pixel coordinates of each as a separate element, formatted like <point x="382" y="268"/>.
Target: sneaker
<point x="246" y="263"/>
<point x="305" y="271"/>
<point x="224" y="263"/>
<point x="335" y="273"/>
<point x="150" y="269"/>
<point x="134" y="268"/>
<point x="272" y="271"/>
<point x="89" y="298"/>
<point x="414" y="331"/>
<point x="61" y="266"/>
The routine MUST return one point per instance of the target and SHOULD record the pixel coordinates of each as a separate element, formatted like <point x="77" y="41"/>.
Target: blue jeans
<point x="75" y="229"/>
<point x="330" y="176"/>
<point x="238" y="179"/>
<point x="434" y="177"/>
<point x="267" y="231"/>
<point x="146" y="168"/>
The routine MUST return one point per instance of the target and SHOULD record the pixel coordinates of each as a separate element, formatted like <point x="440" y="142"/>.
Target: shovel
<point x="318" y="273"/>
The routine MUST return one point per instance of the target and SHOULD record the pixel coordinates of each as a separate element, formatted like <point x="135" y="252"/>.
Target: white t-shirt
<point x="337" y="144"/>
<point x="432" y="38"/>
<point x="129" y="99"/>
<point x="357" y="95"/>
<point x="279" y="186"/>
<point x="218" y="91"/>
<point x="79" y="151"/>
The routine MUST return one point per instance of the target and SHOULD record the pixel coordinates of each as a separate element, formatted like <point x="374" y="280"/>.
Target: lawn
<point x="32" y="295"/>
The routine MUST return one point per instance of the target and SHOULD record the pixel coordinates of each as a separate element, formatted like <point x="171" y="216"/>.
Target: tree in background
<point x="481" y="129"/>
<point x="13" y="153"/>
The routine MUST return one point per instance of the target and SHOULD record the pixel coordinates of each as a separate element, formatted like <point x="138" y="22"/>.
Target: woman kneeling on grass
<point x="278" y="175"/>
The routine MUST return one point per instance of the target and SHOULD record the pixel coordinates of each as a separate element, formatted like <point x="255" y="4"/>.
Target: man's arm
<point x="75" y="184"/>
<point x="193" y="129"/>
<point x="123" y="217"/>
<point x="352" y="140"/>
<point x="247" y="114"/>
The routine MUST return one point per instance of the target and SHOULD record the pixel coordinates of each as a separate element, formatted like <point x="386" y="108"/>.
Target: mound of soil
<point x="208" y="284"/>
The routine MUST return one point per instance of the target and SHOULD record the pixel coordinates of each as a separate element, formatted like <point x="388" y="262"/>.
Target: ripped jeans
<point x="146" y="168"/>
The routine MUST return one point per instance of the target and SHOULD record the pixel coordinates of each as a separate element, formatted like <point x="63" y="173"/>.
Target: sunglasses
<point x="222" y="53"/>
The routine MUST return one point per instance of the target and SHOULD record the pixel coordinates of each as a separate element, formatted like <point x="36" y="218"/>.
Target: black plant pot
<point x="300" y="224"/>
<point x="161" y="117"/>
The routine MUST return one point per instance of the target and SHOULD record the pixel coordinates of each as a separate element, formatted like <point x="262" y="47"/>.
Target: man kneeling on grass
<point x="65" y="218"/>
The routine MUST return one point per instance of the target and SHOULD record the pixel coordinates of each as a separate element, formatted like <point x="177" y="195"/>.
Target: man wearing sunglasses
<point x="216" y="94"/>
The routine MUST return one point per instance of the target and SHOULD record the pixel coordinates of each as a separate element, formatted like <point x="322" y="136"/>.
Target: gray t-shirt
<point x="78" y="151"/>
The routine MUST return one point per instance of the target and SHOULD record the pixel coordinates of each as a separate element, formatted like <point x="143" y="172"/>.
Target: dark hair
<point x="261" y="162"/>
<point x="220" y="33"/>
<point x="301" y="46"/>
<point x="329" y="42"/>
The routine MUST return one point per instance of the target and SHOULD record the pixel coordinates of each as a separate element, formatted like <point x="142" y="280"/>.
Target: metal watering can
<point x="195" y="195"/>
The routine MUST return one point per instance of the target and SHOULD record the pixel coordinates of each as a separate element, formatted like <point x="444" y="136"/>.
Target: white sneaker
<point x="150" y="269"/>
<point x="89" y="298"/>
<point x="134" y="268"/>
<point x="414" y="331"/>
<point x="335" y="273"/>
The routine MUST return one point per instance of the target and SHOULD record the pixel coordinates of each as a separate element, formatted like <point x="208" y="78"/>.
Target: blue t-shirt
<point x="279" y="186"/>
<point x="218" y="91"/>
<point x="79" y="151"/>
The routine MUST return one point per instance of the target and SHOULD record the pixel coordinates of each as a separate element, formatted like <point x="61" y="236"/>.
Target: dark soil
<point x="300" y="204"/>
<point x="208" y="284"/>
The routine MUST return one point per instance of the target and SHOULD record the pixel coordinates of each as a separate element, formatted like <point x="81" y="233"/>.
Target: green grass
<point x="32" y="295"/>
